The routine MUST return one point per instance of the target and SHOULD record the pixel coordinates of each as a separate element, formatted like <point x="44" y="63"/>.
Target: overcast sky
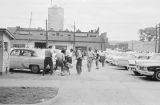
<point x="121" y="19"/>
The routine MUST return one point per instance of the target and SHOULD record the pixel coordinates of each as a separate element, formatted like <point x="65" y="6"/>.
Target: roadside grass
<point x="26" y="95"/>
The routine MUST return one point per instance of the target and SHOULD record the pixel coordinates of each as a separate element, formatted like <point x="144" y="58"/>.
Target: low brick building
<point x="36" y="38"/>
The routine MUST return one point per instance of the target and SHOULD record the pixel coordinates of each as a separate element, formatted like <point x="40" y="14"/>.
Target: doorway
<point x="40" y="45"/>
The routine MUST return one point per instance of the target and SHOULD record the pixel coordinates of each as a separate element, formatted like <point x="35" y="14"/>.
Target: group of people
<point x="97" y="56"/>
<point x="64" y="59"/>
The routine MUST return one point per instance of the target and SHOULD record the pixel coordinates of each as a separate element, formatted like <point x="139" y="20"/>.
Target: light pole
<point x="159" y="40"/>
<point x="74" y="36"/>
<point x="46" y="35"/>
<point x="156" y="40"/>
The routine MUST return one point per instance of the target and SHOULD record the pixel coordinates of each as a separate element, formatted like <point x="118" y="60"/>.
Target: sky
<point x="121" y="19"/>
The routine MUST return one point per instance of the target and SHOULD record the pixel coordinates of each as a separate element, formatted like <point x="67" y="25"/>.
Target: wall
<point x="6" y="54"/>
<point x="1" y="52"/>
<point x="84" y="39"/>
<point x="69" y="45"/>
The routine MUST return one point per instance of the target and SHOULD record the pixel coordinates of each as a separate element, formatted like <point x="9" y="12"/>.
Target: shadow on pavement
<point x="149" y="79"/>
<point x="121" y="69"/>
<point x="23" y="71"/>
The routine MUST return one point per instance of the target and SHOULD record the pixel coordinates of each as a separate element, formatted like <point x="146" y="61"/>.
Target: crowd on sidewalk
<point x="64" y="59"/>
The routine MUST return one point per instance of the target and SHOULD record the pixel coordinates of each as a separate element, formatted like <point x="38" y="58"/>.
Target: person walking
<point x="90" y="57"/>
<point x="60" y="58"/>
<point x="48" y="60"/>
<point x="79" y="61"/>
<point x="102" y="58"/>
<point x="97" y="58"/>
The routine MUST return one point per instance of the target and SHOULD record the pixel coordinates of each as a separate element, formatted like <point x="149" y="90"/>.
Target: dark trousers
<point x="48" y="61"/>
<point x="103" y="60"/>
<point x="60" y="64"/>
<point x="79" y="65"/>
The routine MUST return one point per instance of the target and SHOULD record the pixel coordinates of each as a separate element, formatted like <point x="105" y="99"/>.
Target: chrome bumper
<point x="132" y="68"/>
<point x="146" y="72"/>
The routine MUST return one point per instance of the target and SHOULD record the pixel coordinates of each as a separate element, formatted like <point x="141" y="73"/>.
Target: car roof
<point x="24" y="49"/>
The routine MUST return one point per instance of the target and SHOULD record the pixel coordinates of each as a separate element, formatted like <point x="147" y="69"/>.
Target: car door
<point x="25" y="58"/>
<point x="36" y="60"/>
<point x="15" y="58"/>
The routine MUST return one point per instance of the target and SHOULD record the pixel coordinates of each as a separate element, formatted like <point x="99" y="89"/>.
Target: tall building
<point x="55" y="18"/>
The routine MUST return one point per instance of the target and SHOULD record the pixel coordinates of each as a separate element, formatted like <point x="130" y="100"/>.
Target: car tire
<point x="125" y="68"/>
<point x="11" y="70"/>
<point x="157" y="75"/>
<point x="136" y="73"/>
<point x="35" y="68"/>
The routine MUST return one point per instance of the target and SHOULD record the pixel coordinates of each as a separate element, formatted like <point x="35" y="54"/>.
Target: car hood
<point x="132" y="62"/>
<point x="148" y="62"/>
<point x="126" y="58"/>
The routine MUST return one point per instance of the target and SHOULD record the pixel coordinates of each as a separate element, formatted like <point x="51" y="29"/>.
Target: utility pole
<point x="30" y="21"/>
<point x="159" y="40"/>
<point x="74" y="36"/>
<point x="156" y="39"/>
<point x="29" y="33"/>
<point x="46" y="35"/>
<point x="132" y="45"/>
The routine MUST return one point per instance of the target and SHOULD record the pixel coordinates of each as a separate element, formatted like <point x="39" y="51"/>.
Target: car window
<point x="15" y="53"/>
<point x="34" y="54"/>
<point x="26" y="53"/>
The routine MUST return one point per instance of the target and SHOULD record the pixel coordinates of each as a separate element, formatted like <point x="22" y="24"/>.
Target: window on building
<point x="6" y="46"/>
<point x="57" y="34"/>
<point x="69" y="35"/>
<point x="41" y="33"/>
<point x="40" y="45"/>
<point x="19" y="45"/>
<point x="92" y="35"/>
<point x="61" y="35"/>
<point x="53" y="34"/>
<point x="60" y="47"/>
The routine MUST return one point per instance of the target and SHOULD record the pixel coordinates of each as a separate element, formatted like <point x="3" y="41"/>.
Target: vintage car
<point x="123" y="61"/>
<point x="24" y="59"/>
<point x="149" y="67"/>
<point x="132" y="63"/>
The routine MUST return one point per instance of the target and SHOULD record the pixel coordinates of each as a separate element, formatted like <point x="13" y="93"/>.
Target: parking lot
<point x="110" y="85"/>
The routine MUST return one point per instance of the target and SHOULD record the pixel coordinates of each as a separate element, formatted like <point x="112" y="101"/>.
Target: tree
<point x="148" y="34"/>
<point x="141" y="35"/>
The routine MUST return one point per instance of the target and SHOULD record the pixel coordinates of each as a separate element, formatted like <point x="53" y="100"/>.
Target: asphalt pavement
<point x="108" y="85"/>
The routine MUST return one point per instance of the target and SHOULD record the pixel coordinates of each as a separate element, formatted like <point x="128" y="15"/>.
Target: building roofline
<point x="7" y="32"/>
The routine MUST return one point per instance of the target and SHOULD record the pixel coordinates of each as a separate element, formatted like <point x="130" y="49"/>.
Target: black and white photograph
<point x="79" y="52"/>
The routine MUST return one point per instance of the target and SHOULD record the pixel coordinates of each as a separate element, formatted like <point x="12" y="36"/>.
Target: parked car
<point x="123" y="61"/>
<point x="27" y="59"/>
<point x="132" y="63"/>
<point x="149" y="67"/>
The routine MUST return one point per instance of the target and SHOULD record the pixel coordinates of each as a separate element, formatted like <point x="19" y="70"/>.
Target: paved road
<point x="107" y="86"/>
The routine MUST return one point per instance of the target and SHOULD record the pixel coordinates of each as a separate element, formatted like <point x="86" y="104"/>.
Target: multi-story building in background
<point x="55" y="18"/>
<point x="36" y="38"/>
